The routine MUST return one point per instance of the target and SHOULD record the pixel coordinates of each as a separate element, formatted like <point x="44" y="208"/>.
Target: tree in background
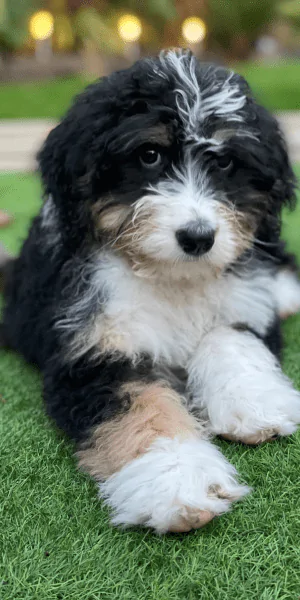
<point x="95" y="25"/>
<point x="290" y="10"/>
<point x="97" y="20"/>
<point x="288" y="29"/>
<point x="233" y="25"/>
<point x="64" y="35"/>
<point x="14" y="15"/>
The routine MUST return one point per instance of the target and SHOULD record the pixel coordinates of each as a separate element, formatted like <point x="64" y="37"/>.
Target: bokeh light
<point x="193" y="30"/>
<point x="129" y="28"/>
<point x="41" y="25"/>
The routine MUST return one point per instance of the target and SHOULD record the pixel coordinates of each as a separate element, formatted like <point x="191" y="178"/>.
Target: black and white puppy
<point x="150" y="287"/>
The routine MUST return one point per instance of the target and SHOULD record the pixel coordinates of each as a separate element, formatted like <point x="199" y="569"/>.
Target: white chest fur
<point x="167" y="318"/>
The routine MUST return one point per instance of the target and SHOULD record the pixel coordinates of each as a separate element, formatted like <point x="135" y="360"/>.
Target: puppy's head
<point x="169" y="162"/>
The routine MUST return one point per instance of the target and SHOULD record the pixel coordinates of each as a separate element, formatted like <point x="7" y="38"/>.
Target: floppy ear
<point x="282" y="192"/>
<point x="69" y="151"/>
<point x="275" y="150"/>
<point x="58" y="159"/>
<point x="73" y="156"/>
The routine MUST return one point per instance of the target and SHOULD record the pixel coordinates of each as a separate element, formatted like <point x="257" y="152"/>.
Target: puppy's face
<point x="173" y="162"/>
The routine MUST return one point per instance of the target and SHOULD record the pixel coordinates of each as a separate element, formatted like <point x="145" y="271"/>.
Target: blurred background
<point x="50" y="49"/>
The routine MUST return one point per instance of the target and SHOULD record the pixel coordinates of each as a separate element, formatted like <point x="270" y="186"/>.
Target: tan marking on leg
<point x="156" y="411"/>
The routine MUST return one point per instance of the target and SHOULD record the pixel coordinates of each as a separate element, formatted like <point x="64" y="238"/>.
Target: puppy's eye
<point x="150" y="157"/>
<point x="224" y="162"/>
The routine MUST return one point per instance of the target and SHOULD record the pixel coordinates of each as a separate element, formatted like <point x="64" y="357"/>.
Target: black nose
<point x="195" y="240"/>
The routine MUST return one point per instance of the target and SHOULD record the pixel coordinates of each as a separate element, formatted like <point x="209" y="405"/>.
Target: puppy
<point x="150" y="287"/>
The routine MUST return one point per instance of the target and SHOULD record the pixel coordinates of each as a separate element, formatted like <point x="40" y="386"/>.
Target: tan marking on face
<point x="130" y="242"/>
<point x="128" y="230"/>
<point x="242" y="227"/>
<point x="113" y="218"/>
<point x="155" y="411"/>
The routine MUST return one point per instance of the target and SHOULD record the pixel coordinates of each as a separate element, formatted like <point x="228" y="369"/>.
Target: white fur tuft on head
<point x="222" y="99"/>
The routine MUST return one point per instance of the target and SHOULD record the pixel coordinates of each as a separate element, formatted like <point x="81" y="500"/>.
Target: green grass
<point x="55" y="538"/>
<point x="277" y="86"/>
<point x="43" y="99"/>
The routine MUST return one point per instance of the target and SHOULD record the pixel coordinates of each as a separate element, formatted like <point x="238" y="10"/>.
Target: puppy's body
<point x="149" y="291"/>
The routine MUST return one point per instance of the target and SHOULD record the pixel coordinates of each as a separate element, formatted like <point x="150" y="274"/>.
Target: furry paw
<point x="260" y="436"/>
<point x="260" y="415"/>
<point x="287" y="293"/>
<point x="175" y="486"/>
<point x="239" y="387"/>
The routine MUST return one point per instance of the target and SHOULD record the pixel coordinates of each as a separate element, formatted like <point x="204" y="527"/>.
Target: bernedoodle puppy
<point x="150" y="288"/>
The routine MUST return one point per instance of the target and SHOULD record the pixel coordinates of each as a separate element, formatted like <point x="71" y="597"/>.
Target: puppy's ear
<point x="72" y="162"/>
<point x="273" y="156"/>
<point x="76" y="146"/>
<point x="277" y="159"/>
<point x="57" y="159"/>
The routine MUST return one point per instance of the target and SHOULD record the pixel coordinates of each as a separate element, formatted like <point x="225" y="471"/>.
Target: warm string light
<point x="41" y="25"/>
<point x="193" y="30"/>
<point x="129" y="28"/>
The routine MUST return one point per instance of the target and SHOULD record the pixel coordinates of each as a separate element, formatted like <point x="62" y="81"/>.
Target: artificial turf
<point x="55" y="539"/>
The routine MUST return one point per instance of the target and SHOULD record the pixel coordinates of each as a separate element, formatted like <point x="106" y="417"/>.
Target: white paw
<point x="287" y="293"/>
<point x="175" y="486"/>
<point x="257" y="411"/>
<point x="239" y="387"/>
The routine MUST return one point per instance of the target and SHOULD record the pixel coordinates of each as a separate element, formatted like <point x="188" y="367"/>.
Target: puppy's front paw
<point x="239" y="388"/>
<point x="175" y="486"/>
<point x="259" y="415"/>
<point x="287" y="293"/>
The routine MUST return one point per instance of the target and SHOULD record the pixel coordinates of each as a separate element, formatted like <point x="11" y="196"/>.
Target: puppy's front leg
<point x="150" y="458"/>
<point x="238" y="385"/>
